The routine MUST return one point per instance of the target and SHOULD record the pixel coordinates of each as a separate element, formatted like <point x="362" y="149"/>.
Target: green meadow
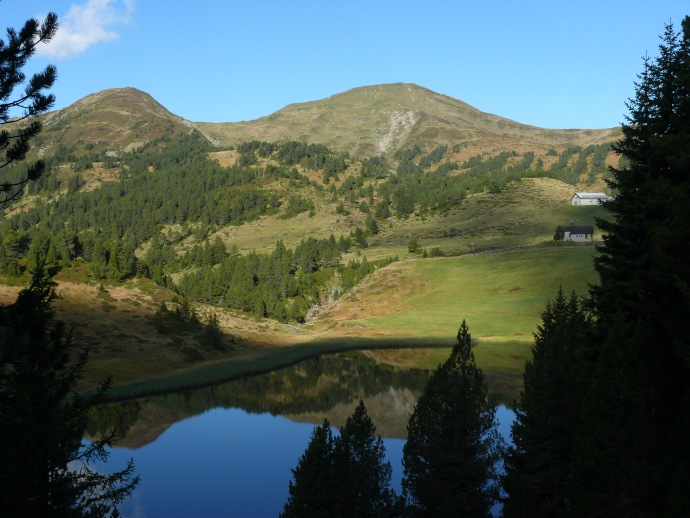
<point x="501" y="295"/>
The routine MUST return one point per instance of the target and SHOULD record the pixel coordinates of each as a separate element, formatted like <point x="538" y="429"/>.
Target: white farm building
<point x="588" y="198"/>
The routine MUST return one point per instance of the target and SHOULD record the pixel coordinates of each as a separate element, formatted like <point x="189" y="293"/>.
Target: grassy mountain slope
<point x="114" y="120"/>
<point x="524" y="214"/>
<point x="413" y="300"/>
<point x="379" y="119"/>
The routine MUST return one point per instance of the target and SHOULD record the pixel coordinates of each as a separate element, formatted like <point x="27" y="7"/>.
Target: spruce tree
<point x="344" y="475"/>
<point x="44" y="469"/>
<point x="314" y="489"/>
<point x="453" y="444"/>
<point x="632" y="457"/>
<point x="365" y="475"/>
<point x="548" y="414"/>
<point x="17" y="111"/>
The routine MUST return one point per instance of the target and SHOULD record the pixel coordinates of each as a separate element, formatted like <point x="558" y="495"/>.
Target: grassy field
<point x="525" y="214"/>
<point x="501" y="295"/>
<point x="412" y="303"/>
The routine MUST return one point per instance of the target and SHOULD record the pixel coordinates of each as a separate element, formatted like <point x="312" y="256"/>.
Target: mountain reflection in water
<point x="324" y="387"/>
<point x="233" y="445"/>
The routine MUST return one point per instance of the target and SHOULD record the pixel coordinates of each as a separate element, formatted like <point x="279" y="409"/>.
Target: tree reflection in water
<point x="234" y="457"/>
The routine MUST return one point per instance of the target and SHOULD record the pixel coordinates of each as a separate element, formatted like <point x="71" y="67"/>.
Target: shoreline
<point x="258" y="362"/>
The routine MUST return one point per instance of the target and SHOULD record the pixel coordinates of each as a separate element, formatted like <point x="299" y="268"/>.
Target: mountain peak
<point x="116" y="119"/>
<point x="363" y="121"/>
<point x="372" y="120"/>
<point x="121" y="97"/>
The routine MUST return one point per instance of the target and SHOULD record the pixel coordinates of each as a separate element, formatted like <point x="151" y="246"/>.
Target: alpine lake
<point x="228" y="449"/>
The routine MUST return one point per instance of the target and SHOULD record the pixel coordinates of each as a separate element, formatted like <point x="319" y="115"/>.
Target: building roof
<point x="591" y="195"/>
<point x="579" y="229"/>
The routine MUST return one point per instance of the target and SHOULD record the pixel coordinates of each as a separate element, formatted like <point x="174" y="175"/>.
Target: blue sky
<point x="548" y="63"/>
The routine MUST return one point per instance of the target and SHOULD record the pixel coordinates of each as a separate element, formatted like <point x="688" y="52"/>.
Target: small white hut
<point x="588" y="198"/>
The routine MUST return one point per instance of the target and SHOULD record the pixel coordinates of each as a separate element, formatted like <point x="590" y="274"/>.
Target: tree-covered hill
<point x="280" y="227"/>
<point x="165" y="210"/>
<point x="377" y="129"/>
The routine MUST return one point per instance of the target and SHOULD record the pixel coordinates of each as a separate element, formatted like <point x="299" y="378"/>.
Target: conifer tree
<point x="360" y="457"/>
<point x="453" y="444"/>
<point x="371" y="225"/>
<point x="314" y="488"/>
<point x="632" y="457"/>
<point x="548" y="414"/>
<point x="17" y="111"/>
<point x="344" y="475"/>
<point x="44" y="470"/>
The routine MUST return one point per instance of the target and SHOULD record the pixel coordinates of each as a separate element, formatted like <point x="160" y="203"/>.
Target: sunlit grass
<point x="499" y="295"/>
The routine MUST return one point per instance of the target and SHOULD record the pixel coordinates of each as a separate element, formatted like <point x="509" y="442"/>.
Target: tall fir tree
<point x="18" y="111"/>
<point x="314" y="488"/>
<point x="453" y="444"/>
<point x="44" y="469"/>
<point x="346" y="475"/>
<point x="360" y="457"/>
<point x="549" y="412"/>
<point x="632" y="457"/>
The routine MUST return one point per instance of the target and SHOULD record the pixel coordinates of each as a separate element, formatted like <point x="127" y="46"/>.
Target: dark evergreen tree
<point x="44" y="469"/>
<point x="633" y="454"/>
<point x="383" y="208"/>
<point x="212" y="335"/>
<point x="315" y="488"/>
<point x="548" y="414"/>
<point x="453" y="446"/>
<point x="16" y="109"/>
<point x="364" y="474"/>
<point x="360" y="238"/>
<point x="344" y="475"/>
<point x="371" y="225"/>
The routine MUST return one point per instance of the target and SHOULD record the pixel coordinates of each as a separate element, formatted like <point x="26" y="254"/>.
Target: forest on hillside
<point x="159" y="215"/>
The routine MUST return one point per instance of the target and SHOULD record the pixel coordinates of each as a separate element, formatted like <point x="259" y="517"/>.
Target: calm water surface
<point x="228" y="450"/>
